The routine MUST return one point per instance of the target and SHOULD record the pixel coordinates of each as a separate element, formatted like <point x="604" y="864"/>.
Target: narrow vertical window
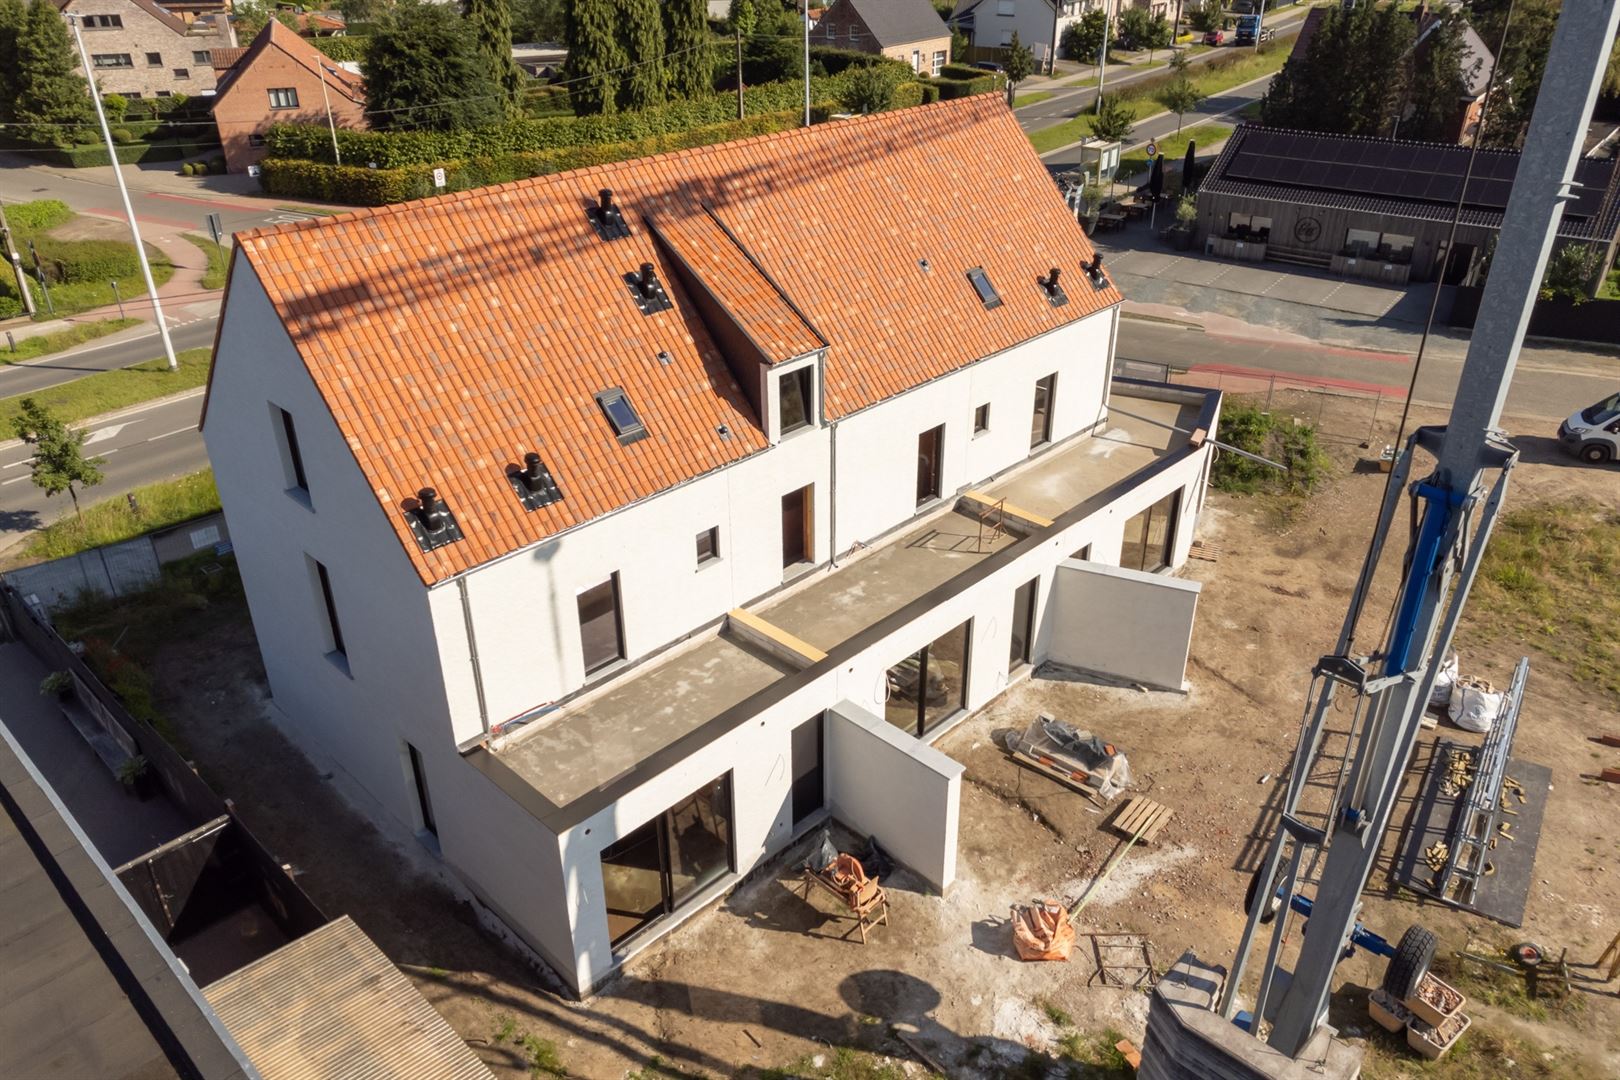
<point x="423" y="803"/>
<point x="334" y="628"/>
<point x="601" y="633"/>
<point x="295" y="458"/>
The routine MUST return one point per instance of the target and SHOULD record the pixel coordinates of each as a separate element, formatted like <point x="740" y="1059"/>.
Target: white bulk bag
<point x="1475" y="705"/>
<point x="1440" y="696"/>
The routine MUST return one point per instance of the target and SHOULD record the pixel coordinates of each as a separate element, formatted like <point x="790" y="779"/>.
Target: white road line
<point x="102" y="434"/>
<point x="176" y="431"/>
<point x="14" y="480"/>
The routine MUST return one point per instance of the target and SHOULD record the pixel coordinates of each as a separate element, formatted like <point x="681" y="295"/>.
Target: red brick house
<point x="910" y="31"/>
<point x="282" y="79"/>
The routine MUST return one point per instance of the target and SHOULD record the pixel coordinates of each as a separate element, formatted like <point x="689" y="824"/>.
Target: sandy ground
<point x="764" y="978"/>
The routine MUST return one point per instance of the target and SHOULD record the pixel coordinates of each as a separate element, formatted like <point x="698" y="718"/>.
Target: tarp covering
<point x="1073" y="751"/>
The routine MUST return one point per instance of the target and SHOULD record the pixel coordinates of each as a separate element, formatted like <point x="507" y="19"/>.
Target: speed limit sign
<point x="1152" y="150"/>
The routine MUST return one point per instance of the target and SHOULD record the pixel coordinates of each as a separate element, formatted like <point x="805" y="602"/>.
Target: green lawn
<point x="68" y="298"/>
<point x="105" y="391"/>
<point x="1034" y="97"/>
<point x="214" y="276"/>
<point x="1610" y="289"/>
<point x="1172" y="147"/>
<point x="112" y="520"/>
<point x="45" y="344"/>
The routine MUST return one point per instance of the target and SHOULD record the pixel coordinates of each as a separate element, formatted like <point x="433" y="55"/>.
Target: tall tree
<point x="641" y="35"/>
<point x="423" y="70"/>
<point x="13" y="17"/>
<point x="1083" y="39"/>
<point x="1018" y="62"/>
<point x="1159" y="35"/>
<point x="1205" y="17"/>
<point x="691" y="54"/>
<point x="1352" y="77"/>
<point x="52" y="98"/>
<point x="491" y="23"/>
<point x="1113" y="121"/>
<point x="539" y="20"/>
<point x="596" y="58"/>
<point x="59" y="461"/>
<point x="1135" y="27"/>
<point x="1442" y="71"/>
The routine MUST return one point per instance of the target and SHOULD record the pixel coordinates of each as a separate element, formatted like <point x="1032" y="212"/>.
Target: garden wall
<point x="1595" y="321"/>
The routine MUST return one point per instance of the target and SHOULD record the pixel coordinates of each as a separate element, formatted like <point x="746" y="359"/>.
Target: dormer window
<point x="981" y="285"/>
<point x="621" y="416"/>
<point x="795" y="407"/>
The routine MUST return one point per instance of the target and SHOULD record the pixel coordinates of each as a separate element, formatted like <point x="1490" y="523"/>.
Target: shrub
<point x="87" y="260"/>
<point x="185" y="169"/>
<point x="116" y="105"/>
<point x="122" y="135"/>
<point x="834" y="61"/>
<point x="982" y="83"/>
<point x="216" y="165"/>
<point x="962" y="71"/>
<point x="37" y="216"/>
<point x="1292" y="445"/>
<point x="346" y="49"/>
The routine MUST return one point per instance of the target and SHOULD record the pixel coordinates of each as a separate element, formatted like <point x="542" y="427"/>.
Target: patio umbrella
<point x="1189" y="169"/>
<point x="1156" y="186"/>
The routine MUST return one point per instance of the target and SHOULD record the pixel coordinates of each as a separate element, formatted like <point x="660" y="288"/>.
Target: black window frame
<point x="712" y="536"/>
<point x="201" y="56"/>
<point x="424" y="802"/>
<point x="289" y="433"/>
<point x="333" y="627"/>
<point x="96" y="61"/>
<point x="983" y="288"/>
<point x="626" y="433"/>
<point x="981" y="419"/>
<point x="181" y="73"/>
<point x="154" y="59"/>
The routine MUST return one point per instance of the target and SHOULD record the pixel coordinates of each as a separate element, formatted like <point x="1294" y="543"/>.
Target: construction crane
<point x="1454" y="505"/>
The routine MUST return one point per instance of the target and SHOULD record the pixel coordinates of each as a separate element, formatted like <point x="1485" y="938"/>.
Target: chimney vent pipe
<point x="531" y="469"/>
<point x="432" y="519"/>
<point x="606" y="196"/>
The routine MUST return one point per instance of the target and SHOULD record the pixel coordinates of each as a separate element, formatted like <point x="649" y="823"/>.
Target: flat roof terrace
<point x="585" y="746"/>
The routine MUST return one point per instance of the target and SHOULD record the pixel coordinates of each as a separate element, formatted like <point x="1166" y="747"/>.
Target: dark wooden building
<point x="1378" y="208"/>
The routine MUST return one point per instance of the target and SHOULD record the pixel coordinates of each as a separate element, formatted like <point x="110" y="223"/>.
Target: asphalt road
<point x="33" y="376"/>
<point x="140" y="446"/>
<point x="1211" y="108"/>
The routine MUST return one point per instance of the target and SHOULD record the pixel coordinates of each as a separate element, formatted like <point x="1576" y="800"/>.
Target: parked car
<point x="989" y="65"/>
<point x="1593" y="434"/>
<point x="1214" y="37"/>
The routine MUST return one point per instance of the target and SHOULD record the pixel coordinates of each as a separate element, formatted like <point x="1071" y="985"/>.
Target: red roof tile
<point x="450" y="336"/>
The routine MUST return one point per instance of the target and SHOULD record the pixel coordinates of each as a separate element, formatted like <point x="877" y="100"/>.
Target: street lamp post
<point x="123" y="192"/>
<point x="16" y="264"/>
<point x="337" y="155"/>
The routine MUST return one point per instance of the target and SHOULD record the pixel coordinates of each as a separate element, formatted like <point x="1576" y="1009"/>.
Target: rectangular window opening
<point x="182" y="73"/>
<point x="654" y="869"/>
<point x="930" y="464"/>
<point x="930" y="686"/>
<point x="334" y="629"/>
<point x="294" y="459"/>
<point x="601" y="629"/>
<point x="981" y="285"/>
<point x="1150" y="537"/>
<point x="981" y="419"/>
<point x="708" y="545"/>
<point x="1040" y="423"/>
<point x="808" y="783"/>
<point x="424" y="805"/>
<point x="627" y="425"/>
<point x="154" y="59"/>
<point x="795" y="408"/>
<point x="283" y="97"/>
<point x="112" y="60"/>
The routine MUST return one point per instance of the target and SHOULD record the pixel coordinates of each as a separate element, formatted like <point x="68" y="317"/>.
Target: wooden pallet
<point x="1201" y="549"/>
<point x="1142" y="815"/>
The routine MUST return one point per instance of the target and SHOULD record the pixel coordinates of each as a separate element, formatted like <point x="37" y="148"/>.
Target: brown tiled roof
<point x="278" y="44"/>
<point x="450" y="336"/>
<point x="225" y="59"/>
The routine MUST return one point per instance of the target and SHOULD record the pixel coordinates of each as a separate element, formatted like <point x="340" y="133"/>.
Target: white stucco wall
<point x="392" y="689"/>
<point x="1123" y="623"/>
<point x="889" y="785"/>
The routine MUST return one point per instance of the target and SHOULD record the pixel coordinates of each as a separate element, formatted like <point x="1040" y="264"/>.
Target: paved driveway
<point x="1296" y="285"/>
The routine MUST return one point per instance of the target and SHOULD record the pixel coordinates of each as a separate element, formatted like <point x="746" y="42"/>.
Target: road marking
<point x="14" y="480"/>
<point x="102" y="434"/>
<point x="14" y="464"/>
<point x="176" y="431"/>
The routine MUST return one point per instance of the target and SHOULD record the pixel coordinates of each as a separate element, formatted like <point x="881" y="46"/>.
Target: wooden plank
<point x="1066" y="779"/>
<point x="1142" y="815"/>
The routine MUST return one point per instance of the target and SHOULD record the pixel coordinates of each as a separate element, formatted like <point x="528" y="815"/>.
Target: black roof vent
<point x="981" y="285"/>
<point x="533" y="482"/>
<point x="1093" y="270"/>
<point x="609" y="222"/>
<point x="1054" y="292"/>
<point x="431" y="521"/>
<point x="648" y="292"/>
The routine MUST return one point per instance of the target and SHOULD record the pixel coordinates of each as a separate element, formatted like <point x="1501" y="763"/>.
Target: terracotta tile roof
<point x="276" y="44"/>
<point x="225" y="59"/>
<point x="450" y="336"/>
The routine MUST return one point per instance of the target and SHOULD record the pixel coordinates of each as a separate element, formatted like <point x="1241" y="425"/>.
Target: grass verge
<point x="1548" y="577"/>
<point x="1171" y="148"/>
<point x="214" y="276"/>
<point x="45" y="344"/>
<point x="111" y="520"/>
<point x="109" y="390"/>
<point x="1034" y="97"/>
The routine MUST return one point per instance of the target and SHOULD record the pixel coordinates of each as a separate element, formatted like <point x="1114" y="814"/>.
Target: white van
<point x="1593" y="434"/>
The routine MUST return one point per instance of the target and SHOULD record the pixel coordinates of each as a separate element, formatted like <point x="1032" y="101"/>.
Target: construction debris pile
<point x="1077" y="758"/>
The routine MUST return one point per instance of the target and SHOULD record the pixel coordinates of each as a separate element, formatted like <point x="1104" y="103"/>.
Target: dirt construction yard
<point x="767" y="983"/>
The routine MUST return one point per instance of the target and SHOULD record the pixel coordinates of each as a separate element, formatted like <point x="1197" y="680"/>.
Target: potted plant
<point x="59" y="683"/>
<point x="136" y="776"/>
<point x="1093" y="194"/>
<point x="1186" y="221"/>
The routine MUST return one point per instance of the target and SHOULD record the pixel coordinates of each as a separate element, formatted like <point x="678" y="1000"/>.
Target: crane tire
<point x="1411" y="961"/>
<point x="1254" y="888"/>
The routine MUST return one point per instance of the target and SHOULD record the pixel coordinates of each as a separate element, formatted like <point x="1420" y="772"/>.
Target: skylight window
<point x="621" y="415"/>
<point x="981" y="285"/>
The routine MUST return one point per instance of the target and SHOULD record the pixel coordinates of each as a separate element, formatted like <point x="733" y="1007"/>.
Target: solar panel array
<point x="1384" y="169"/>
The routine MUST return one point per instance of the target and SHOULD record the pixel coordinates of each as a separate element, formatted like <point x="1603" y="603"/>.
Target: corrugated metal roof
<point x="331" y="1006"/>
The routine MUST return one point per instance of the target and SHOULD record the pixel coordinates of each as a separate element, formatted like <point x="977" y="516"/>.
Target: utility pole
<point x="806" y="64"/>
<point x="16" y="264"/>
<point x="123" y="192"/>
<point x="1102" y="62"/>
<point x="738" y="31"/>
<point x="337" y="155"/>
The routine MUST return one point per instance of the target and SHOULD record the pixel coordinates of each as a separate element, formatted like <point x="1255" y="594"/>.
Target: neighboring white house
<point x="1038" y="23"/>
<point x="749" y="479"/>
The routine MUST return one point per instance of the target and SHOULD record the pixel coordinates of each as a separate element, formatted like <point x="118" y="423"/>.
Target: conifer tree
<point x="423" y="70"/>
<point x="52" y="98"/>
<point x="492" y="28"/>
<point x="596" y="58"/>
<point x="13" y="17"/>
<point x="641" y="35"/>
<point x="691" y="54"/>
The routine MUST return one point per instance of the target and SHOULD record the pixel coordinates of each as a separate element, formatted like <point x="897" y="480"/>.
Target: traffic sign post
<point x="216" y="229"/>
<point x="1152" y="150"/>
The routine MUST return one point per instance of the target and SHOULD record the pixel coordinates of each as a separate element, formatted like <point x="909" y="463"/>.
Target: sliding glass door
<point x="1150" y="537"/>
<point x="930" y="686"/>
<point x="651" y="871"/>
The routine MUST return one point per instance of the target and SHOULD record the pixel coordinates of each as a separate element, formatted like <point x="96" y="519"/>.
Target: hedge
<point x="81" y="157"/>
<point x="982" y="83"/>
<point x="87" y="260"/>
<point x="37" y="216"/>
<point x="397" y="149"/>
<point x="378" y="187"/>
<point x="347" y="49"/>
<point x="835" y="61"/>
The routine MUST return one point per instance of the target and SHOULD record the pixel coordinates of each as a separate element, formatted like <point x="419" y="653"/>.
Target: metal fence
<point x="118" y="569"/>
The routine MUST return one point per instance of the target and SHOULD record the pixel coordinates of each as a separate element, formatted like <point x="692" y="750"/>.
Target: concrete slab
<point x="582" y="748"/>
<point x="1198" y="271"/>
